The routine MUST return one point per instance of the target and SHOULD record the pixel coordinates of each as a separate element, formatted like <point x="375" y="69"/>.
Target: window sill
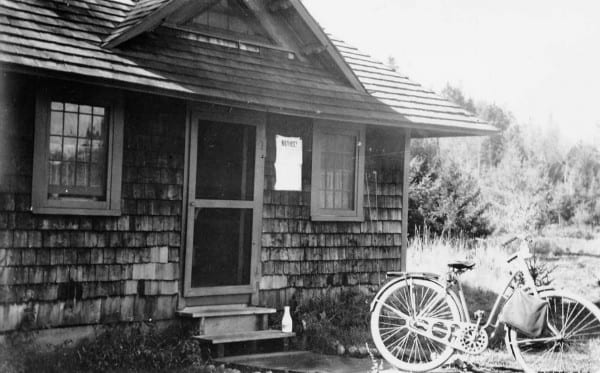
<point x="334" y="218"/>
<point x="75" y="211"/>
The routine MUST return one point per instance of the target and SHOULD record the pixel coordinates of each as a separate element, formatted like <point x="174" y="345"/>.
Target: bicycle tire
<point x="389" y="333"/>
<point x="571" y="317"/>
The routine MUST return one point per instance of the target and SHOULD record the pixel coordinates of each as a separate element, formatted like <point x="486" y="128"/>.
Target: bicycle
<point x="419" y="320"/>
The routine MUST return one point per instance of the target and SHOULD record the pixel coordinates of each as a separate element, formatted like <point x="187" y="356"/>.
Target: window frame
<point x="95" y="96"/>
<point x="358" y="131"/>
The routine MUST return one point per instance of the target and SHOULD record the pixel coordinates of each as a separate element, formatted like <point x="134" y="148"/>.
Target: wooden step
<point x="223" y="311"/>
<point x="259" y="335"/>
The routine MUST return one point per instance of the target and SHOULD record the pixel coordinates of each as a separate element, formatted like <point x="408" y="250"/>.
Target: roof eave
<point x="330" y="48"/>
<point x="437" y="131"/>
<point x="151" y="21"/>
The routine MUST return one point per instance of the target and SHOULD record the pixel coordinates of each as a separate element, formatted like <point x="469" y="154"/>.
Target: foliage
<point x="443" y="198"/>
<point x="137" y="348"/>
<point x="332" y="319"/>
<point x="521" y="179"/>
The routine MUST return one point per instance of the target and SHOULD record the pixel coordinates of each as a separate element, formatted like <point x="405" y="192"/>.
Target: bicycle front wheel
<point x="397" y="343"/>
<point x="570" y="341"/>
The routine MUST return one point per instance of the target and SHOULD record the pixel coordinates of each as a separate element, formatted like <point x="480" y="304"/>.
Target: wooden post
<point x="405" y="181"/>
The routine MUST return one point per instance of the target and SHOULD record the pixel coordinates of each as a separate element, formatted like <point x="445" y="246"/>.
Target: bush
<point x="137" y="348"/>
<point x="330" y="320"/>
<point x="443" y="198"/>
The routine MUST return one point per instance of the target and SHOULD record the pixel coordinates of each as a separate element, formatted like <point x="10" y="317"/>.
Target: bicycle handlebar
<point x="520" y="252"/>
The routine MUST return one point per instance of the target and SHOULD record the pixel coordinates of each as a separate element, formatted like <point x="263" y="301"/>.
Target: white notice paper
<point x="288" y="163"/>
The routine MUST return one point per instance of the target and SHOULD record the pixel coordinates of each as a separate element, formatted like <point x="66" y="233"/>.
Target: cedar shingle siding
<point x="74" y="270"/>
<point x="303" y="255"/>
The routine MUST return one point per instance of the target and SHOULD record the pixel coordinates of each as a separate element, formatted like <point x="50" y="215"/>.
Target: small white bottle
<point x="286" y="321"/>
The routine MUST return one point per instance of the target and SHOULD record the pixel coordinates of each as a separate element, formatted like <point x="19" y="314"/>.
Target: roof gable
<point x="286" y="23"/>
<point x="50" y="38"/>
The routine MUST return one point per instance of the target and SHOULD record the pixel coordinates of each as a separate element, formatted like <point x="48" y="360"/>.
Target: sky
<point x="540" y="59"/>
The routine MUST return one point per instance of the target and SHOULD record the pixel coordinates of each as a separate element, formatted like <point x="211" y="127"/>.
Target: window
<point x="78" y="154"/>
<point x="338" y="170"/>
<point x="228" y="18"/>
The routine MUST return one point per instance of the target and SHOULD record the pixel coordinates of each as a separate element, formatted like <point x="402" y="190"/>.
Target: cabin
<point x="204" y="159"/>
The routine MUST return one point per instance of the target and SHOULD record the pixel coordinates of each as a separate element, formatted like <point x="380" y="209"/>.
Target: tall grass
<point x="426" y="254"/>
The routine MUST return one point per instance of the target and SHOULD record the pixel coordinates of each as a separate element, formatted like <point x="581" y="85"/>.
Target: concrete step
<point x="258" y="335"/>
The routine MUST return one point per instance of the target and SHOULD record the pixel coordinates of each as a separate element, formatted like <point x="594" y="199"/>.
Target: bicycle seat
<point x="461" y="265"/>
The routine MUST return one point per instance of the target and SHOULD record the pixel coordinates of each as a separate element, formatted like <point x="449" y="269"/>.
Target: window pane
<point x="96" y="176"/>
<point x="56" y="123"/>
<point x="329" y="182"/>
<point x="68" y="174"/>
<point x="83" y="150"/>
<point x="70" y="124"/>
<point x="98" y="151"/>
<point x="338" y="200"/>
<point x="346" y="198"/>
<point x="82" y="175"/>
<point x="54" y="173"/>
<point x="338" y="183"/>
<point x="76" y="163"/>
<point x="98" y="127"/>
<point x="85" y="125"/>
<point x="55" y="148"/>
<point x="69" y="144"/>
<point x="225" y="168"/>
<point x="338" y="171"/>
<point x="222" y="247"/>
<point x="328" y="199"/>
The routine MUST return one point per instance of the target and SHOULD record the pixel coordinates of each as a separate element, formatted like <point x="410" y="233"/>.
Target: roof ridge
<point x="339" y="42"/>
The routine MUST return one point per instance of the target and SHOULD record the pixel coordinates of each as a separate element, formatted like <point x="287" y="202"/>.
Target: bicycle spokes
<point x="568" y="341"/>
<point x="399" y="312"/>
<point x="416" y="323"/>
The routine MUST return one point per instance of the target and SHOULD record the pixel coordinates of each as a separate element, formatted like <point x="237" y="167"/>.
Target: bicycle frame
<point x="521" y="270"/>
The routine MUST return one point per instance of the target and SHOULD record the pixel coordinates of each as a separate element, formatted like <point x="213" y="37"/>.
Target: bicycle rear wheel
<point x="570" y="341"/>
<point x="400" y="346"/>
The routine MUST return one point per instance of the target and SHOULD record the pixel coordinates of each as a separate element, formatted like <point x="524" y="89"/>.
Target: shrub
<point x="443" y="198"/>
<point x="330" y="320"/>
<point x="137" y="348"/>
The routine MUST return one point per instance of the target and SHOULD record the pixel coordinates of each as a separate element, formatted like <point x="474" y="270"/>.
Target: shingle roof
<point x="135" y="15"/>
<point x="416" y="103"/>
<point x="65" y="37"/>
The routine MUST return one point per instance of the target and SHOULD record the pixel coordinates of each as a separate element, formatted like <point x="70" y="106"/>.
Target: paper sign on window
<point x="288" y="163"/>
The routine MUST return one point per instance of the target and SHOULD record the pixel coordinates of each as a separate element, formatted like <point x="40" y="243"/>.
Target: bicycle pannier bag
<point x="526" y="313"/>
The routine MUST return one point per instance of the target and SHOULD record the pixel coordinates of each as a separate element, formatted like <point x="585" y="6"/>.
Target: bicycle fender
<point x="544" y="288"/>
<point x="401" y="276"/>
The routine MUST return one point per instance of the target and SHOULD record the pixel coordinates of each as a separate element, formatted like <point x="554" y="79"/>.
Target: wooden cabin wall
<point x="299" y="255"/>
<point x="58" y="270"/>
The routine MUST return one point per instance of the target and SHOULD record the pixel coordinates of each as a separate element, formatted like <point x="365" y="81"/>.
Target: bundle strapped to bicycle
<point x="525" y="312"/>
<point x="418" y="320"/>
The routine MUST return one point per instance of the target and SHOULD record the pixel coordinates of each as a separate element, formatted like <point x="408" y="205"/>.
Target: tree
<point x="456" y="95"/>
<point x="444" y="199"/>
<point x="494" y="146"/>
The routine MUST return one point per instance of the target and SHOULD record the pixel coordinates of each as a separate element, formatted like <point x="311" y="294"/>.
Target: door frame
<point x="225" y="114"/>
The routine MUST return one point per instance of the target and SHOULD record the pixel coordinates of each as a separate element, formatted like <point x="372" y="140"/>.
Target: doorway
<point x="224" y="210"/>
